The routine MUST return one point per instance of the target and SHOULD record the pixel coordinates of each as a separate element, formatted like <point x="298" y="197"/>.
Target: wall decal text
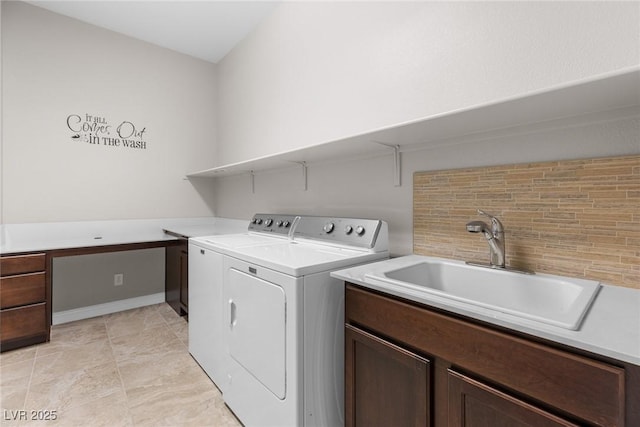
<point x="98" y="131"/>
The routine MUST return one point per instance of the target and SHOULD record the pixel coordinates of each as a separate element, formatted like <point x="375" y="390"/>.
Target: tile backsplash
<point x="578" y="218"/>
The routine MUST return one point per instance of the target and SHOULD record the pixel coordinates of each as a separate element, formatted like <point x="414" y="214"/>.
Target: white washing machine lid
<point x="224" y="242"/>
<point x="300" y="259"/>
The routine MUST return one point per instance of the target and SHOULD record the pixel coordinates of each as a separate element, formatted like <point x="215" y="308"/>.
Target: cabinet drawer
<point x="23" y="322"/>
<point x="23" y="289"/>
<point x="20" y="264"/>
<point x="560" y="379"/>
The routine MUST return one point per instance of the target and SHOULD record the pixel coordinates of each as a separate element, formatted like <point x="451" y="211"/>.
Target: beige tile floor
<point x="131" y="368"/>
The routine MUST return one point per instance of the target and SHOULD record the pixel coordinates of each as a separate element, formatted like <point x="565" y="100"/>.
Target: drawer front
<point x="20" y="264"/>
<point x="558" y="378"/>
<point x="23" y="322"/>
<point x="22" y="290"/>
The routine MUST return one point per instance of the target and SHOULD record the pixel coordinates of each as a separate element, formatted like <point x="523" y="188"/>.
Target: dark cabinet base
<point x="177" y="277"/>
<point x="25" y="295"/>
<point x="480" y="375"/>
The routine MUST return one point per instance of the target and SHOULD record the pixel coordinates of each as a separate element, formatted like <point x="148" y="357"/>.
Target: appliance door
<point x="206" y="331"/>
<point x="264" y="337"/>
<point x="257" y="314"/>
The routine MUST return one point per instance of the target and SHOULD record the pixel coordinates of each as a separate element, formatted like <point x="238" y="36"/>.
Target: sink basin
<point x="554" y="300"/>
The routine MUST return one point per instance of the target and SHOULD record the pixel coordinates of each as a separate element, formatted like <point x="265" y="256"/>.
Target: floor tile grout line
<point x="75" y="345"/>
<point x="115" y="358"/>
<point x="127" y="400"/>
<point x="169" y="325"/>
<point x="33" y="367"/>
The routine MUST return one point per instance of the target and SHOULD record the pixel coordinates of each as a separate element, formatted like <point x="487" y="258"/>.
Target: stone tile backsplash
<point x="578" y="218"/>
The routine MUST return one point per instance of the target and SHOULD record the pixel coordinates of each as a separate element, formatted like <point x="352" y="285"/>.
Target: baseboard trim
<point x="106" y="308"/>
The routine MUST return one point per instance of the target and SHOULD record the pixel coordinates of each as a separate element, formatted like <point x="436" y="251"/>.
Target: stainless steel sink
<point x="554" y="300"/>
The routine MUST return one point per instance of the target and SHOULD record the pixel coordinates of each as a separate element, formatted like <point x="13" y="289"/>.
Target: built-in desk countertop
<point x="56" y="236"/>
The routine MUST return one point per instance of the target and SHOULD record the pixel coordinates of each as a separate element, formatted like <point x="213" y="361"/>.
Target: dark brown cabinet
<point x="385" y="384"/>
<point x="408" y="364"/>
<point x="177" y="277"/>
<point x="24" y="301"/>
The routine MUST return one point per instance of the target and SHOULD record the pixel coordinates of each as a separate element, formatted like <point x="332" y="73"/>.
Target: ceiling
<point x="205" y="29"/>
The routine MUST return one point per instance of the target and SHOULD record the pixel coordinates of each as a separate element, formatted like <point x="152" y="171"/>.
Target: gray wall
<point x="86" y="280"/>
<point x="54" y="66"/>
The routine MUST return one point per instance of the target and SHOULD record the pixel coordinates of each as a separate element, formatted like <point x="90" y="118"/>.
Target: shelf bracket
<point x="304" y="173"/>
<point x="397" y="167"/>
<point x="253" y="182"/>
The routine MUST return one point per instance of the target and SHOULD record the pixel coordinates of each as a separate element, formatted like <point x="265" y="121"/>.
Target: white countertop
<point x="32" y="237"/>
<point x="209" y="228"/>
<point x="610" y="328"/>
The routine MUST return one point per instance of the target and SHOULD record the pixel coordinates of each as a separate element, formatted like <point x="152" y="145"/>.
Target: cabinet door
<point x="475" y="404"/>
<point x="385" y="385"/>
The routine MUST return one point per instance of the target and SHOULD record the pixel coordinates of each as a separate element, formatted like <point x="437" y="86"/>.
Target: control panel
<point x="345" y="231"/>
<point x="272" y="223"/>
<point x="356" y="232"/>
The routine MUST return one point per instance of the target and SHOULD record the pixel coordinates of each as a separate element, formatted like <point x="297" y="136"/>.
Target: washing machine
<point x="280" y="351"/>
<point x="206" y="308"/>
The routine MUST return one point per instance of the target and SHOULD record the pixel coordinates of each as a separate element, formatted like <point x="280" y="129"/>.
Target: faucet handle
<point x="496" y="225"/>
<point x="481" y="212"/>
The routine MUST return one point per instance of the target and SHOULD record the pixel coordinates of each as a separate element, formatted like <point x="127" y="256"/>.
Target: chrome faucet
<point x="494" y="236"/>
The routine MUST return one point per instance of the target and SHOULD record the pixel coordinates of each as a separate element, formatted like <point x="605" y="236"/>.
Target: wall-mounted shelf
<point x="610" y="92"/>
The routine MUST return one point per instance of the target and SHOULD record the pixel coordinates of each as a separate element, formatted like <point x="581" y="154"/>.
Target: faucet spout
<point x="480" y="227"/>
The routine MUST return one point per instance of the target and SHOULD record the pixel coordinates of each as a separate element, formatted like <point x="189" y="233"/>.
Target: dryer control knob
<point x="286" y="223"/>
<point x="348" y="229"/>
<point x="259" y="221"/>
<point x="268" y="222"/>
<point x="328" y="227"/>
<point x="279" y="223"/>
<point x="359" y="230"/>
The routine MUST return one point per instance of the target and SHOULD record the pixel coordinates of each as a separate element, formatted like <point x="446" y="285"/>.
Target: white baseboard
<point x="106" y="308"/>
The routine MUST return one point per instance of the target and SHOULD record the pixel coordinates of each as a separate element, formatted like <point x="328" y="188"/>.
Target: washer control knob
<point x="268" y="222"/>
<point x="279" y="223"/>
<point x="359" y="230"/>
<point x="259" y="221"/>
<point x="254" y="221"/>
<point x="328" y="227"/>
<point x="286" y="224"/>
<point x="348" y="229"/>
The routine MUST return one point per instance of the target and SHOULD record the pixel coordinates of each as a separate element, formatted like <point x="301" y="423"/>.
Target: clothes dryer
<point x="283" y="317"/>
